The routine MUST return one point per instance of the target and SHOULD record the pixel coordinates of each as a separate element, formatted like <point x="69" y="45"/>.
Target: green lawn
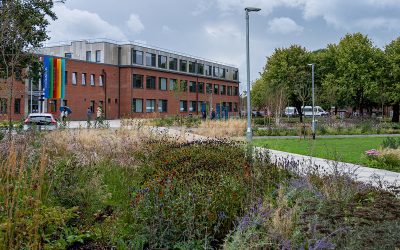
<point x="341" y="149"/>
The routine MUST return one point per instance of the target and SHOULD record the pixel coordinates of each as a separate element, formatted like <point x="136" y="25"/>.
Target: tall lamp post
<point x="248" y="132"/>
<point x="313" y="103"/>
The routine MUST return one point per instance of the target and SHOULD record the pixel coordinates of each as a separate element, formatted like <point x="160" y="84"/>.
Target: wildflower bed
<point x="131" y="189"/>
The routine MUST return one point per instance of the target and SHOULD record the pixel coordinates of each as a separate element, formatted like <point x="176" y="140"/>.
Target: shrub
<point x="191" y="193"/>
<point x="391" y="142"/>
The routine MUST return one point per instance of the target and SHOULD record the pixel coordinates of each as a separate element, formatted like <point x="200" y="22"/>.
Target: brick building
<point x="129" y="80"/>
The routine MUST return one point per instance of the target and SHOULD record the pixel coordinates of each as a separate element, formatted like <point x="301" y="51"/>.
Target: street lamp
<point x="248" y="132"/>
<point x="313" y="104"/>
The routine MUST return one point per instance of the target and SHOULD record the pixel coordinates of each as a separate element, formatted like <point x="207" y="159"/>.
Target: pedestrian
<point x="88" y="116"/>
<point x="99" y="117"/>
<point x="212" y="114"/>
<point x="203" y="115"/>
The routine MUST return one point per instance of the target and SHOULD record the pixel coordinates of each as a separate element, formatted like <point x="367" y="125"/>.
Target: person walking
<point x="99" y="117"/>
<point x="88" y="116"/>
<point x="212" y="114"/>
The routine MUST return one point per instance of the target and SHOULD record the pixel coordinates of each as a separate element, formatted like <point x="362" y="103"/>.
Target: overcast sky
<point x="215" y="29"/>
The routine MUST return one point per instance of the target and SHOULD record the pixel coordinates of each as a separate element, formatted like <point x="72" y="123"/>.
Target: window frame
<point x="160" y="63"/>
<point x="98" y="56"/>
<point x="133" y="105"/>
<point x="160" y="83"/>
<point x="152" y="61"/>
<point x="134" y="57"/>
<point x="134" y="78"/>
<point x="153" y="101"/>
<point x="151" y="85"/>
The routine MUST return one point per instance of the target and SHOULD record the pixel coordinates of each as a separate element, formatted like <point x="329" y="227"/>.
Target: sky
<point x="216" y="29"/>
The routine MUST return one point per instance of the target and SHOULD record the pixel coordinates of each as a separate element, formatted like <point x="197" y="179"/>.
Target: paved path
<point x="304" y="163"/>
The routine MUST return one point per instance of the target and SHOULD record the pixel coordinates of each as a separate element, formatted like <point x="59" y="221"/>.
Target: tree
<point x="392" y="53"/>
<point x="286" y="71"/>
<point x="23" y="28"/>
<point x="357" y="70"/>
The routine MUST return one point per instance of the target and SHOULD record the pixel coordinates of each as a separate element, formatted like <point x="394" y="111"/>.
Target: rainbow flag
<point x="53" y="77"/>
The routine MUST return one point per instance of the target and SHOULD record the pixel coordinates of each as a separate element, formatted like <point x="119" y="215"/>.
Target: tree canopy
<point x="353" y="73"/>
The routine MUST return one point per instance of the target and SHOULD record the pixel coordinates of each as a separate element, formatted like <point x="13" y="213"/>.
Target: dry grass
<point x="221" y="129"/>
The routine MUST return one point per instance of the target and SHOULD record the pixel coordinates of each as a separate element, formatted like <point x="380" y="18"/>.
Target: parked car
<point x="318" y="111"/>
<point x="291" y="112"/>
<point x="40" y="121"/>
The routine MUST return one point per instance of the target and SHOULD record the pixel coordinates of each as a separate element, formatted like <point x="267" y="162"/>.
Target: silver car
<point x="40" y="121"/>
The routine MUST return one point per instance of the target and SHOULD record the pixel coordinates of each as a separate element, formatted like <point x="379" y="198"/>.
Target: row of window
<point x="93" y="79"/>
<point x="3" y="106"/>
<point x="172" y="84"/>
<point x="162" y="106"/>
<point x="171" y="63"/>
<point x="89" y="58"/>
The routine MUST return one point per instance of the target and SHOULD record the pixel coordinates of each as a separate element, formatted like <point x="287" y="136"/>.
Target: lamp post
<point x="313" y="104"/>
<point x="248" y="132"/>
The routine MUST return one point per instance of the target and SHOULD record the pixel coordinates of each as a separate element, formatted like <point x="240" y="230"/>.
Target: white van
<point x="291" y="111"/>
<point x="318" y="111"/>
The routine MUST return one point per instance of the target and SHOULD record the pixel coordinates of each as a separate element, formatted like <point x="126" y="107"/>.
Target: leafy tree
<point x="358" y="69"/>
<point x="392" y="53"/>
<point x="23" y="25"/>
<point x="286" y="70"/>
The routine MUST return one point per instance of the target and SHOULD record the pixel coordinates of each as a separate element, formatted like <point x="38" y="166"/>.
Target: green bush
<point x="391" y="142"/>
<point x="191" y="194"/>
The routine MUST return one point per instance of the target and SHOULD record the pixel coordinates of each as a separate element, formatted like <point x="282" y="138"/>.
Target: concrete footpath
<point x="304" y="163"/>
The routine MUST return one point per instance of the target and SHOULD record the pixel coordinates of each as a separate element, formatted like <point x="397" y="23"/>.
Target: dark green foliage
<point x="391" y="142"/>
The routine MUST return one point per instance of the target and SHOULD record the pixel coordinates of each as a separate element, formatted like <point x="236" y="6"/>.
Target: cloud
<point x="201" y="7"/>
<point x="223" y="30"/>
<point x="134" y="24"/>
<point x="284" y="25"/>
<point x="75" y="24"/>
<point x="166" y="29"/>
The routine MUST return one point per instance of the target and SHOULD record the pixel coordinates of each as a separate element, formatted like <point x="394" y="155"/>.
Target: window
<point x="183" y="86"/>
<point x="162" y="62"/>
<point x="208" y="70"/>
<point x="223" y="90"/>
<point x="183" y="106"/>
<point x="101" y="80"/>
<point x="222" y="73"/>
<point x="92" y="106"/>
<point x="173" y="63"/>
<point x="201" y="87"/>
<point x="183" y="65"/>
<point x="92" y="80"/>
<point x="150" y="105"/>
<point x="53" y="106"/>
<point x="235" y="75"/>
<point x="162" y="106"/>
<point x="235" y="91"/>
<point x="137" y="57"/>
<point x="216" y="71"/>
<point x="68" y="55"/>
<point x="229" y="90"/>
<point x="208" y="88"/>
<point x="66" y="77"/>
<point x="200" y="106"/>
<point x="230" y="107"/>
<point x="137" y="105"/>
<point x="162" y="83"/>
<point x="150" y="59"/>
<point x="137" y="81"/>
<point x="216" y="89"/>
<point x="3" y="106"/>
<point x="192" y="87"/>
<point x="98" y="55"/>
<point x="200" y="68"/>
<point x="172" y="84"/>
<point x="193" y="106"/>
<point x="88" y="56"/>
<point x="74" y="78"/>
<point x="192" y="67"/>
<point x="151" y="82"/>
<point x="83" y="78"/>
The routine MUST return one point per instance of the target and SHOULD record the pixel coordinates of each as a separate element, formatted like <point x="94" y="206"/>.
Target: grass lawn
<point x="349" y="150"/>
